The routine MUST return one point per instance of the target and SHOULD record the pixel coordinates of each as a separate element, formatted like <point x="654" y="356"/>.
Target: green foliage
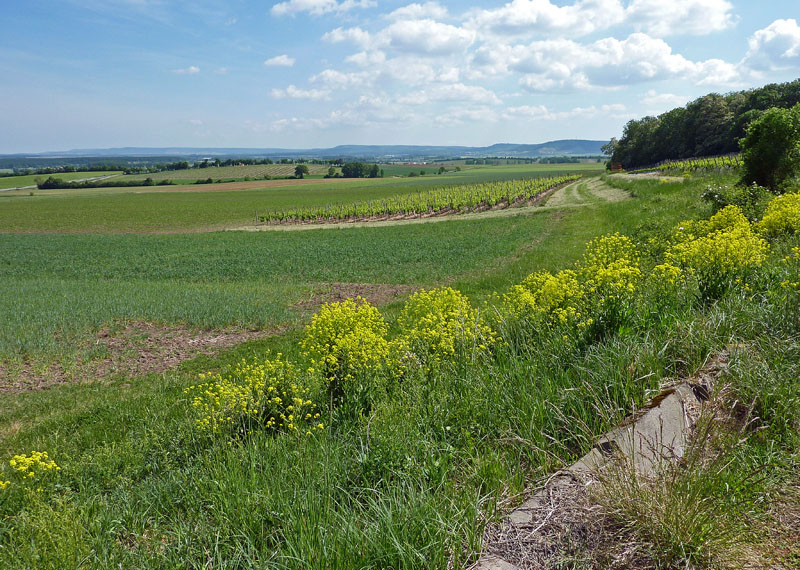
<point x="710" y="125"/>
<point x="771" y="148"/>
<point x="444" y="199"/>
<point x="751" y="199"/>
<point x="300" y="170"/>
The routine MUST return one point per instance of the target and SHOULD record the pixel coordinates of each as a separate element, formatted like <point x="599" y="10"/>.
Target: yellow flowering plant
<point x="267" y="394"/>
<point x="30" y="468"/>
<point x="544" y="297"/>
<point x="347" y="338"/>
<point x="438" y="324"/>
<point x="717" y="251"/>
<point x="782" y="216"/>
<point x="791" y="262"/>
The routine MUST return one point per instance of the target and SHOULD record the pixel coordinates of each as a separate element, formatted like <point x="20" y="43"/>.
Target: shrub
<point x="547" y="298"/>
<point x="771" y="148"/>
<point x="717" y="250"/>
<point x="346" y="339"/>
<point x="266" y="394"/>
<point x="752" y="199"/>
<point x="610" y="268"/>
<point x="782" y="216"/>
<point x="439" y="323"/>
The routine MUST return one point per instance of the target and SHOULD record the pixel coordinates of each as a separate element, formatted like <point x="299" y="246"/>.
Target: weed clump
<point x="267" y="394"/>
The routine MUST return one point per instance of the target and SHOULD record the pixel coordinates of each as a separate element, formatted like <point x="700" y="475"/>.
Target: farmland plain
<point x="33" y="179"/>
<point x="167" y="209"/>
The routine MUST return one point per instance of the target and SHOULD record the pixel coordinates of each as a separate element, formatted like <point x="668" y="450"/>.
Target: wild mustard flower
<point x="782" y="216"/>
<point x="718" y="250"/>
<point x="347" y="338"/>
<point x="31" y="466"/>
<point x="439" y="323"/>
<point x="264" y="393"/>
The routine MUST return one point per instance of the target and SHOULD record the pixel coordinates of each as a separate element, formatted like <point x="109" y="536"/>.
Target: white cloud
<point x="528" y="17"/>
<point x="338" y="80"/>
<point x="366" y="58"/>
<point x="282" y="60"/>
<point x="352" y="35"/>
<point x="540" y="112"/>
<point x="221" y="71"/>
<point x="561" y="64"/>
<point x="457" y="92"/>
<point x="196" y="122"/>
<point x="653" y="99"/>
<point x="674" y="17"/>
<point x="191" y="70"/>
<point x="775" y="47"/>
<point x="318" y="7"/>
<point x="416" y="11"/>
<point x="292" y="92"/>
<point x="427" y="37"/>
<point x="461" y="116"/>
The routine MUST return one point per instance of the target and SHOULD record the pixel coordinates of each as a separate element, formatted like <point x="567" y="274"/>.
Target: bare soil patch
<point x="375" y="293"/>
<point x="137" y="348"/>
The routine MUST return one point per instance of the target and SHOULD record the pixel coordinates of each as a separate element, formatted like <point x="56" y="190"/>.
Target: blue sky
<point x="317" y="73"/>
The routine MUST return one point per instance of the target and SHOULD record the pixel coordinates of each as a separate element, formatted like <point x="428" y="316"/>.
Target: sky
<point x="319" y="73"/>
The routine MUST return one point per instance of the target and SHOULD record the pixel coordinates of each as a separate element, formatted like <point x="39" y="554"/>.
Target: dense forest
<point x="708" y="126"/>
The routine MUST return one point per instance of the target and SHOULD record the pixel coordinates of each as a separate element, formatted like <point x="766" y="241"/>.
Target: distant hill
<point x="371" y="152"/>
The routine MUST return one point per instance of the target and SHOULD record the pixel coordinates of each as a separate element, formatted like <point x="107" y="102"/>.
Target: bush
<point x="547" y="299"/>
<point x="717" y="251"/>
<point x="267" y="394"/>
<point x="771" y="148"/>
<point x="436" y="325"/>
<point x="751" y="199"/>
<point x="347" y="339"/>
<point x="782" y="216"/>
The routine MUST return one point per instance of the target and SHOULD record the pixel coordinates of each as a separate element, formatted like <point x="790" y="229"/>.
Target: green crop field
<point x="170" y="209"/>
<point x="32" y="179"/>
<point x="406" y="463"/>
<point x="228" y="172"/>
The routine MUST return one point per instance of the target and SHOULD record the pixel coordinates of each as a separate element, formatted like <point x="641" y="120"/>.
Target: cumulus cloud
<point x="318" y="7"/>
<point x="653" y="99"/>
<point x="334" y="79"/>
<point x="282" y="60"/>
<point x="693" y="17"/>
<point x="562" y="64"/>
<point x="191" y="70"/>
<point x="528" y="17"/>
<point x="419" y="11"/>
<point x="456" y="92"/>
<point x="775" y="47"/>
<point x="292" y="92"/>
<point x="427" y="37"/>
<point x="353" y="35"/>
<point x="540" y="112"/>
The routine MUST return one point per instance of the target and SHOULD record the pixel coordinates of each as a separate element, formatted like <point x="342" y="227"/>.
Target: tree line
<point x="708" y="126"/>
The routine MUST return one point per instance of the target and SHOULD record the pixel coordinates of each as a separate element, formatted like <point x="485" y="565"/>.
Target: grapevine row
<point x="692" y="164"/>
<point x="448" y="199"/>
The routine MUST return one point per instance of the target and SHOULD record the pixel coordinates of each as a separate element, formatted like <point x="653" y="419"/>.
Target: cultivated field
<point x="228" y="172"/>
<point x="216" y="206"/>
<point x="33" y="179"/>
<point x="413" y="422"/>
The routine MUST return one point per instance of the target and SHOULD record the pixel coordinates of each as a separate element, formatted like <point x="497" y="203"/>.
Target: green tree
<point x="373" y="171"/>
<point x="354" y="170"/>
<point x="300" y="170"/>
<point x="771" y="148"/>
